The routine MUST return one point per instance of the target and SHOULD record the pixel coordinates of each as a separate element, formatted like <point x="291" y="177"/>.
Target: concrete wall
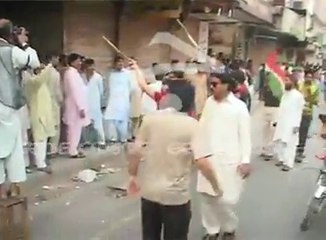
<point x="259" y="49"/>
<point x="84" y="25"/>
<point x="136" y="35"/>
<point x="221" y="37"/>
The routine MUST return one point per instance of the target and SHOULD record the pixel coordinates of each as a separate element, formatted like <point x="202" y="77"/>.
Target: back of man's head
<point x="6" y="29"/>
<point x="181" y="96"/>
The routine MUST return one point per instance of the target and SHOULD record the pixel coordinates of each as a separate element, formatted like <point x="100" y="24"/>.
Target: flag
<point x="276" y="74"/>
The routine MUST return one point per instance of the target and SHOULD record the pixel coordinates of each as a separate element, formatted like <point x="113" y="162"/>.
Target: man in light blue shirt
<point x="118" y="92"/>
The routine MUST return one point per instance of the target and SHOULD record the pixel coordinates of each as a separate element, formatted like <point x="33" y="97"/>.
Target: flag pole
<point x="188" y="34"/>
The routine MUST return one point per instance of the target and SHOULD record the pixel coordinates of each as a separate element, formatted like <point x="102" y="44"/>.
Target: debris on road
<point x="109" y="170"/>
<point x="87" y="175"/>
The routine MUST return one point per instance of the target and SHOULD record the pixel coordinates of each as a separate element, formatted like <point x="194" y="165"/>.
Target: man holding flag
<point x="272" y="93"/>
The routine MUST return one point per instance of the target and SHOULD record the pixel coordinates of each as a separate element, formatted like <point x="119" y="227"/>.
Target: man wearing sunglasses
<point x="226" y="122"/>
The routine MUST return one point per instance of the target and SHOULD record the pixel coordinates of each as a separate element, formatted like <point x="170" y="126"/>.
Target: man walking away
<point x="94" y="82"/>
<point x="226" y="123"/>
<point x="117" y="113"/>
<point x="169" y="142"/>
<point x="311" y="95"/>
<point x="287" y="129"/>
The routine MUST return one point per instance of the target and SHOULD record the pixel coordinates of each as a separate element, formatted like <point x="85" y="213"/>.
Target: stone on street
<point x="272" y="206"/>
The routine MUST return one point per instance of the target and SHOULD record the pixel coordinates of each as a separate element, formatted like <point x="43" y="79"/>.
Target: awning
<point x="255" y="10"/>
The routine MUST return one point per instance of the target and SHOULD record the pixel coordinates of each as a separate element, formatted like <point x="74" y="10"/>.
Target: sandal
<point x="79" y="155"/>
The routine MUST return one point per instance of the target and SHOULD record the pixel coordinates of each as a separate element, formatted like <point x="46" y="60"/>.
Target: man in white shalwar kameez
<point x="12" y="60"/>
<point x="94" y="82"/>
<point x="286" y="135"/>
<point x="117" y="112"/>
<point x="226" y="120"/>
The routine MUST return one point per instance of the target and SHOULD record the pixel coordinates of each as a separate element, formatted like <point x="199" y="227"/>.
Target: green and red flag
<point x="276" y="74"/>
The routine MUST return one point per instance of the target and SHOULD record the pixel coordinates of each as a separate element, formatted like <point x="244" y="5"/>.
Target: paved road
<point x="271" y="207"/>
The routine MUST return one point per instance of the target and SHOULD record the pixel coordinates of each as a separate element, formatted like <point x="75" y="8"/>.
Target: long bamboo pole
<point x="115" y="48"/>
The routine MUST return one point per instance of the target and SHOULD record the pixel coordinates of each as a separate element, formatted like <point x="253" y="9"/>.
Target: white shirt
<point x="289" y="115"/>
<point x="227" y="124"/>
<point x="9" y="121"/>
<point x="19" y="60"/>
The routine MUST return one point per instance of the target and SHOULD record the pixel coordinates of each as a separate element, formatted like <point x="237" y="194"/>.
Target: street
<point x="271" y="208"/>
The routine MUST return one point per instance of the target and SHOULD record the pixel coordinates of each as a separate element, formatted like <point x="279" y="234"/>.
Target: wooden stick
<point x="115" y="48"/>
<point x="188" y="34"/>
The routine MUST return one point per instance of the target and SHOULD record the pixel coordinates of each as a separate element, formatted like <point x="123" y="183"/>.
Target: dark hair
<point x="239" y="76"/>
<point x="174" y="61"/>
<point x="118" y="58"/>
<point x="49" y="56"/>
<point x="73" y="57"/>
<point x="89" y="61"/>
<point x="225" y="78"/>
<point x="181" y="96"/>
<point x="6" y="28"/>
<point x="63" y="60"/>
<point x="293" y="79"/>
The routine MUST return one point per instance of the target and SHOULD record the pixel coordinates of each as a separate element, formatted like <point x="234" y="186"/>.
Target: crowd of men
<point x="191" y="114"/>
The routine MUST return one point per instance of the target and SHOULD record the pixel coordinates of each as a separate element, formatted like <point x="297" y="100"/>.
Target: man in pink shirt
<point x="76" y="111"/>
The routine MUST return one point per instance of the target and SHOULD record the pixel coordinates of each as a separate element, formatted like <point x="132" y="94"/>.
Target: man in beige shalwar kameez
<point x="54" y="85"/>
<point x="42" y="119"/>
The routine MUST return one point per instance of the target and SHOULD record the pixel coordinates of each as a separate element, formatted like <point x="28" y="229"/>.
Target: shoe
<point x="79" y="155"/>
<point x="101" y="146"/>
<point x="229" y="236"/>
<point x="298" y="159"/>
<point x="86" y="145"/>
<point x="30" y="169"/>
<point x="286" y="168"/>
<point x="47" y="170"/>
<point x="279" y="164"/>
<point x="268" y="158"/>
<point x="211" y="237"/>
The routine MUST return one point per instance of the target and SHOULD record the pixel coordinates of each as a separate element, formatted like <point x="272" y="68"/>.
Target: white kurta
<point x="289" y="115"/>
<point x="285" y="138"/>
<point x="95" y="94"/>
<point x="227" y="124"/>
